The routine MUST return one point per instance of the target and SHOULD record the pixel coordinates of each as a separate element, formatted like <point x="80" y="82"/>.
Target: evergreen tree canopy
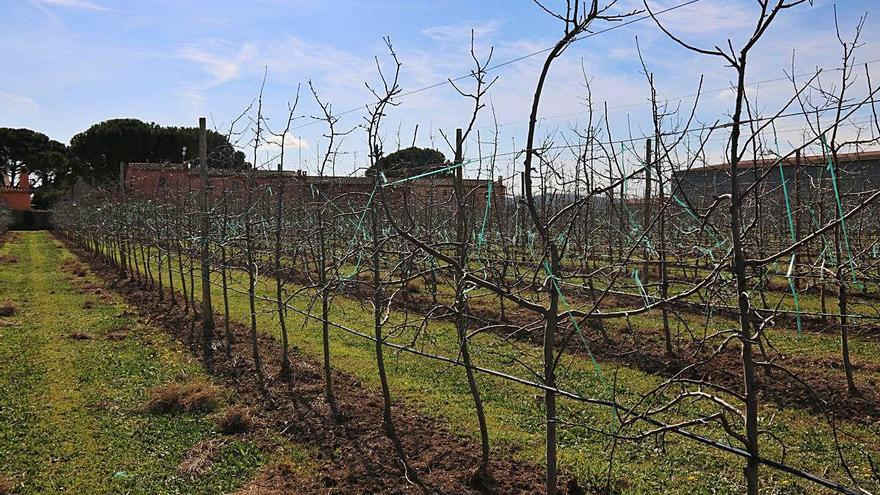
<point x="102" y="147"/>
<point x="46" y="159"/>
<point x="409" y="162"/>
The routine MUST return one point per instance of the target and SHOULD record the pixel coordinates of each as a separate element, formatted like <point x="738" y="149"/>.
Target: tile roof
<point x="13" y="189"/>
<point x="295" y="174"/>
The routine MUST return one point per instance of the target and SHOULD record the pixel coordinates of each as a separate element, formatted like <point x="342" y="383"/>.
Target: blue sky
<point x="69" y="63"/>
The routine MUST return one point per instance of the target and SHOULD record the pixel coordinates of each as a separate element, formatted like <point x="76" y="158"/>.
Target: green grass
<point x="777" y="293"/>
<point x="515" y="417"/>
<point x="70" y="410"/>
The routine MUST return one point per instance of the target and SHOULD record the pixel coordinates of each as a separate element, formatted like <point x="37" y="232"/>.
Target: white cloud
<point x="193" y="97"/>
<point x="221" y="62"/>
<point x="17" y="104"/>
<point x="301" y="60"/>
<point x="222" y="67"/>
<point x="460" y="32"/>
<point x="75" y="4"/>
<point x="290" y="141"/>
<point x="624" y="53"/>
<point x="706" y="17"/>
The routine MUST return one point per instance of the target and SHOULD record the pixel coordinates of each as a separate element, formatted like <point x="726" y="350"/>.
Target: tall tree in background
<point x="100" y="148"/>
<point x="409" y="162"/>
<point x="46" y="159"/>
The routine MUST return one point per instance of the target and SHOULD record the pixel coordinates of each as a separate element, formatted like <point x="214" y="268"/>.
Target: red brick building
<point x="150" y="180"/>
<point x="16" y="198"/>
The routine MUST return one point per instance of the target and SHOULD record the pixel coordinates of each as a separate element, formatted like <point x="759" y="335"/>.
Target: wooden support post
<point x="796" y="212"/>
<point x="207" y="309"/>
<point x="122" y="254"/>
<point x="646" y="217"/>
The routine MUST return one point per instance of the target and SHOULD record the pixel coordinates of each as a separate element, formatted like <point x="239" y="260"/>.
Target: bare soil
<point x="816" y="384"/>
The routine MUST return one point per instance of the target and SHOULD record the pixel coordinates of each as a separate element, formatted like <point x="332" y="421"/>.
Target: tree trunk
<point x="461" y="308"/>
<point x="285" y="374"/>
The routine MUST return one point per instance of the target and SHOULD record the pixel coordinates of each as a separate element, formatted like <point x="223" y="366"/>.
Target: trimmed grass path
<point x="70" y="410"/>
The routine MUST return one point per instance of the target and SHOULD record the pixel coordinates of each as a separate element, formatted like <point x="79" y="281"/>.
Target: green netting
<point x="425" y="174"/>
<point x="596" y="368"/>
<point x="481" y="237"/>
<point x="561" y="239"/>
<point x="638" y="281"/>
<point x="791" y="230"/>
<point x="710" y="230"/>
<point x="359" y="229"/>
<point x="831" y="168"/>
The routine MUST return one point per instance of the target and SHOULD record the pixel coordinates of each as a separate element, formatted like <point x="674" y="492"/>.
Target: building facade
<point x="854" y="173"/>
<point x="16" y="198"/>
<point x="154" y="180"/>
